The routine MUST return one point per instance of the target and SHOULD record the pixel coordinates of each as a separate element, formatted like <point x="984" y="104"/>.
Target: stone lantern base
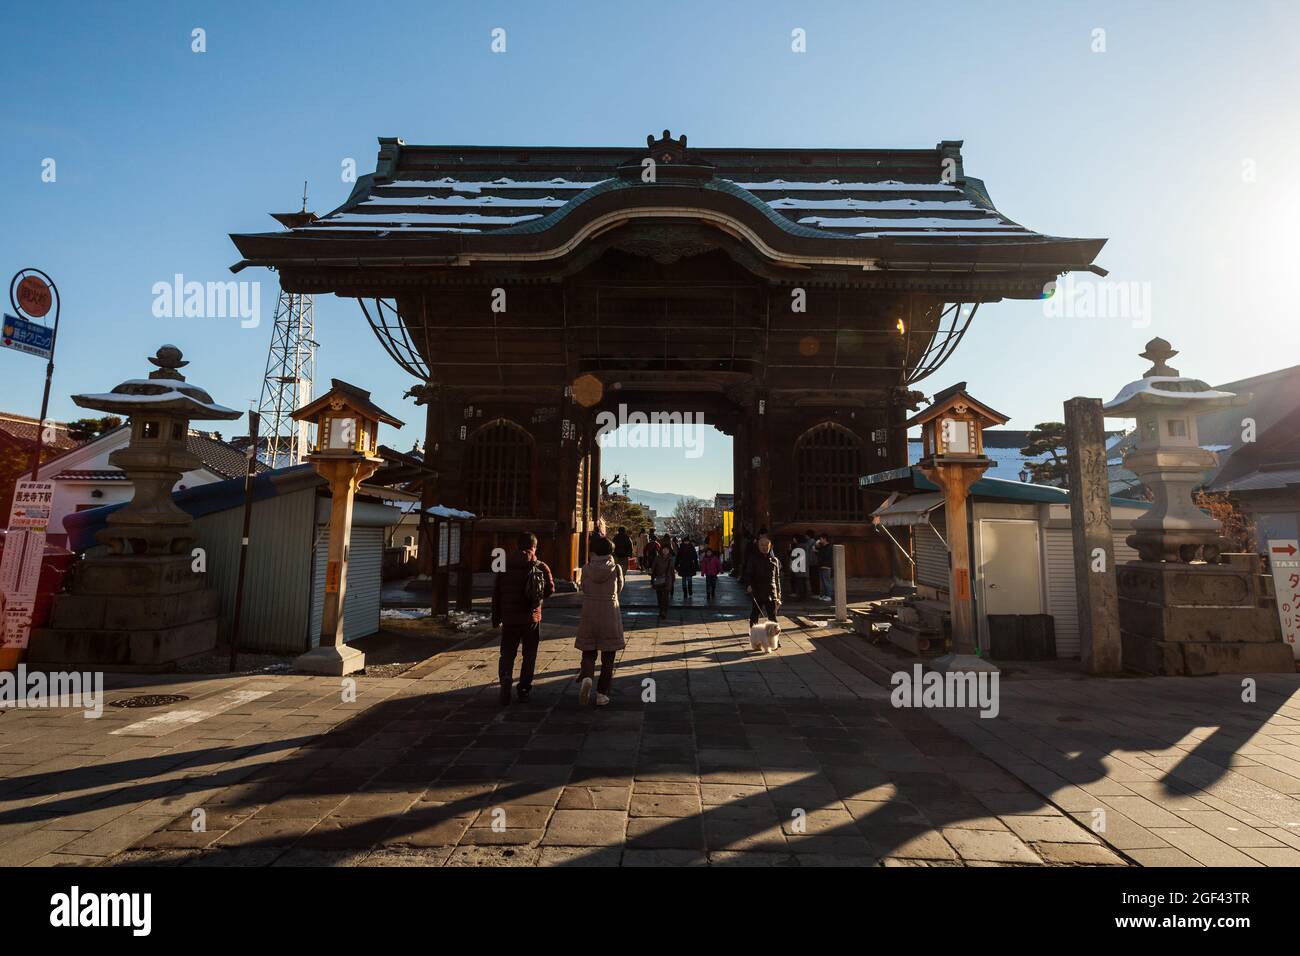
<point x="1195" y="619"/>
<point x="128" y="613"/>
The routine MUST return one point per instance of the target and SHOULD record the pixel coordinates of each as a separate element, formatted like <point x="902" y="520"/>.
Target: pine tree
<point x="1047" y="438"/>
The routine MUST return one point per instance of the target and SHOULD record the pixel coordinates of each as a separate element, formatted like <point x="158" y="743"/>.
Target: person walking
<point x="763" y="581"/>
<point x="808" y="541"/>
<point x="517" y="596"/>
<point x="688" y="565"/>
<point x="711" y="566"/>
<point x="662" y="574"/>
<point x="600" y="628"/>
<point x="797" y="578"/>
<point x="622" y="550"/>
<point x="825" y="565"/>
<point x="648" y="553"/>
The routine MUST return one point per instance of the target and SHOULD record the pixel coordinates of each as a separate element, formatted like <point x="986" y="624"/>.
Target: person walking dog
<point x="600" y="629"/>
<point x="763" y="581"/>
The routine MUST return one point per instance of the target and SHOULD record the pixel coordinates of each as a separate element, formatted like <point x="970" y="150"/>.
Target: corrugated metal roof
<point x="994" y="488"/>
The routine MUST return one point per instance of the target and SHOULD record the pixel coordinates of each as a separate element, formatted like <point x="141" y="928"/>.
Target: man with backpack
<point x="517" y="596"/>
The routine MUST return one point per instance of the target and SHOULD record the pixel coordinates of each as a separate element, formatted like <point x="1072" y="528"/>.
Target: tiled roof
<point x="24" y="429"/>
<point x="91" y="474"/>
<point x="221" y="457"/>
<point x="907" y="203"/>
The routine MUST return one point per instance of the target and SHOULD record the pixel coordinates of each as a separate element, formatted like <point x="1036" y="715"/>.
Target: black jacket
<point x="622" y="546"/>
<point x="763" y="576"/>
<point x="687" y="561"/>
<point x="509" y="603"/>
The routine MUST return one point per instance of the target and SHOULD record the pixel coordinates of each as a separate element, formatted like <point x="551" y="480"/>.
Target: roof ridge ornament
<point x="168" y="360"/>
<point x="665" y="158"/>
<point x="666" y="149"/>
<point x="1159" y="352"/>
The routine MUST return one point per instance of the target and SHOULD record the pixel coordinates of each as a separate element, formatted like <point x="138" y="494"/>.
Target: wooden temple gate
<point x="793" y="298"/>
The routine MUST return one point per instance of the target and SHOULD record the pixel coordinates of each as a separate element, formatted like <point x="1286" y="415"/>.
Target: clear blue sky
<point x="161" y="152"/>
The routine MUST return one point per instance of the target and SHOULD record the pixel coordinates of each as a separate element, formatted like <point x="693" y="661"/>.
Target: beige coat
<point x="601" y="625"/>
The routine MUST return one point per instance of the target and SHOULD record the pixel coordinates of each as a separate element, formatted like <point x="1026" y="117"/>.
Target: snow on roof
<point x="442" y="511"/>
<point x="1148" y="391"/>
<point x="937" y="205"/>
<point x="504" y="182"/>
<point x="920" y="222"/>
<point x="834" y="185"/>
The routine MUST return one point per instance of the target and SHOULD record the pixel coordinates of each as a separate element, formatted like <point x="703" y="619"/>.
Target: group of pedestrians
<point x="807" y="561"/>
<point x="518" y="594"/>
<point x="521" y="589"/>
<point x="668" y="559"/>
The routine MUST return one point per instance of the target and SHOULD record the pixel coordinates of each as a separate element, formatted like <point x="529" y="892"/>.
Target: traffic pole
<point x="254" y="421"/>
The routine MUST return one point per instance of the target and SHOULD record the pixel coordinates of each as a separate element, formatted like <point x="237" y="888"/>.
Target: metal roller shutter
<point x="931" y="557"/>
<point x="365" y="566"/>
<point x="1123" y="553"/>
<point x="1062" y="598"/>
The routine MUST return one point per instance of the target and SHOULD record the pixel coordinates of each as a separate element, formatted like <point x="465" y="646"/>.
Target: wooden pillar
<point x="434" y="422"/>
<point x="955" y="479"/>
<point x="333" y="656"/>
<point x="762" y="475"/>
<point x="740" y="475"/>
<point x="566" y="507"/>
<point x="1094" y="545"/>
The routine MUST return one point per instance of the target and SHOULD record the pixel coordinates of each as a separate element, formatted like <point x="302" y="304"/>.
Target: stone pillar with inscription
<point x="1094" y="546"/>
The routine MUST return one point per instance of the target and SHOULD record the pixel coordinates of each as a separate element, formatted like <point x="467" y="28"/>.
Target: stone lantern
<point x="143" y="606"/>
<point x="160" y="409"/>
<point x="1178" y="615"/>
<point x="952" y="456"/>
<point x="1168" y="457"/>
<point x="346" y="454"/>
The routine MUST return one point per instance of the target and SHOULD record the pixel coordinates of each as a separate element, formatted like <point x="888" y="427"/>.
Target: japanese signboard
<point x="29" y="337"/>
<point x="31" y="506"/>
<point x="1284" y="556"/>
<point x="20" y="567"/>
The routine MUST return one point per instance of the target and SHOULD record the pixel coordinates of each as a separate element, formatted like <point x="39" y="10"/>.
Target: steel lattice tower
<point x="290" y="369"/>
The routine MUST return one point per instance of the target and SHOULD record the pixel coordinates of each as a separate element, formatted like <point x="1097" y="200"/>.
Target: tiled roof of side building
<point x="24" y="429"/>
<point x="91" y="474"/>
<point x="221" y="457"/>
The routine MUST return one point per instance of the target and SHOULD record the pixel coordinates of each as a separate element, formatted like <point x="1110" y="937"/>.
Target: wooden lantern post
<point x="346" y="454"/>
<point x="952" y="439"/>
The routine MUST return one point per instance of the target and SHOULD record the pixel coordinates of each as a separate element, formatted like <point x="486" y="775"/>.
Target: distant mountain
<point x="663" y="502"/>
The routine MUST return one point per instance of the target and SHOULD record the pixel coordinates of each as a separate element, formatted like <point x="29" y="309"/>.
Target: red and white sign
<point x="20" y="568"/>
<point x="1284" y="556"/>
<point x="33" y="502"/>
<point x="33" y="296"/>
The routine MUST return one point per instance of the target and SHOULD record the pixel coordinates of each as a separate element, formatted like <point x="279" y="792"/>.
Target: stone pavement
<point x="794" y="758"/>
<point x="727" y="758"/>
<point x="1173" y="771"/>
